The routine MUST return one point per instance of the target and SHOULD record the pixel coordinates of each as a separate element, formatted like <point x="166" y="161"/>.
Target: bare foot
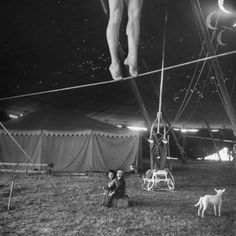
<point x="133" y="70"/>
<point x="115" y="71"/>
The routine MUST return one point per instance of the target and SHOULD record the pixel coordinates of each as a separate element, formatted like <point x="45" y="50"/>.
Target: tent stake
<point x="10" y="196"/>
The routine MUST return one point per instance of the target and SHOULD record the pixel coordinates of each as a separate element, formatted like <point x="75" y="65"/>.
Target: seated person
<point x="110" y="185"/>
<point x="119" y="190"/>
<point x="133" y="169"/>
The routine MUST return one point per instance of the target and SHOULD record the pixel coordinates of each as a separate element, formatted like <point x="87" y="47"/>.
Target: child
<point x="109" y="187"/>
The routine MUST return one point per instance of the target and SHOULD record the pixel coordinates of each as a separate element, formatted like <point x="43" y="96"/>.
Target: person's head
<point x="111" y="174"/>
<point x="119" y="174"/>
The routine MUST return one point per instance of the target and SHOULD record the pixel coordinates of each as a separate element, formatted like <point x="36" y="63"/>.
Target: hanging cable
<point x="157" y="120"/>
<point x="213" y="35"/>
<point x="159" y="116"/>
<point x="184" y="104"/>
<point x="187" y="96"/>
<point x="127" y="78"/>
<point x="209" y="71"/>
<point x="198" y="100"/>
<point x="216" y="65"/>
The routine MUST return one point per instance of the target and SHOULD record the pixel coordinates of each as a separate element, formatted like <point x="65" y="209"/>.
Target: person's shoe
<point x="132" y="68"/>
<point x="115" y="72"/>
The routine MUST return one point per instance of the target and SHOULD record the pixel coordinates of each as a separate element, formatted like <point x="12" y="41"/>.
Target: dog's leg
<point x="215" y="210"/>
<point x="199" y="209"/>
<point x="203" y="210"/>
<point x="220" y="207"/>
<point x="198" y="212"/>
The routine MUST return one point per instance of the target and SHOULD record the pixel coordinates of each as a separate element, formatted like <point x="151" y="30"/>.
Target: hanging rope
<point x="217" y="45"/>
<point x="189" y="94"/>
<point x="185" y="103"/>
<point x="206" y="138"/>
<point x="230" y="111"/>
<point x="159" y="116"/>
<point x="127" y="78"/>
<point x="18" y="145"/>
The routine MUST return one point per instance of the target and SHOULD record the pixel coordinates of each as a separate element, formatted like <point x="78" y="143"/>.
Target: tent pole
<point x="18" y="145"/>
<point x="211" y="135"/>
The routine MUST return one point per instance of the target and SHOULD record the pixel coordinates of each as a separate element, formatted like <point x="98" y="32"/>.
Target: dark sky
<point x="53" y="44"/>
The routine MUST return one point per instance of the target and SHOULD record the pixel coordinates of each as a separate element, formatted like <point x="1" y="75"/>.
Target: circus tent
<point x="69" y="140"/>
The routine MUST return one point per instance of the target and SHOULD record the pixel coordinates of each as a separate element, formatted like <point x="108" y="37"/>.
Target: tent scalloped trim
<point x="66" y="133"/>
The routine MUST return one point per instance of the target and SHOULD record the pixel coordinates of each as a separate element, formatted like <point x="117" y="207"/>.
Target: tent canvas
<point x="70" y="140"/>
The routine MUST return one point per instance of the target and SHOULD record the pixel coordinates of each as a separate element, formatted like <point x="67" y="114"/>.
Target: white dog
<point x="215" y="200"/>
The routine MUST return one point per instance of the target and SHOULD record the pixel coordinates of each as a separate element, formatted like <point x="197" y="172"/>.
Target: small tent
<point x="69" y="140"/>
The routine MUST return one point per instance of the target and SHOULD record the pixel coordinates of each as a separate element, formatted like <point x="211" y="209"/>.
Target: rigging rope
<point x="187" y="96"/>
<point x="184" y="104"/>
<point x="206" y="138"/>
<point x="18" y="145"/>
<point x="162" y="71"/>
<point x="127" y="78"/>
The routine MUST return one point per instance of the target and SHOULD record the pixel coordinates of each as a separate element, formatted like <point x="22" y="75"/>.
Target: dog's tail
<point x="199" y="202"/>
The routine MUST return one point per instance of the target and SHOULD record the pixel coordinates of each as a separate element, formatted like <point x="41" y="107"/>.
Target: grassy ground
<point x="69" y="205"/>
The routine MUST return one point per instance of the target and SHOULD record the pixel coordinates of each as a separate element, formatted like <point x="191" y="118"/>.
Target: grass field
<point x="69" y="205"/>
